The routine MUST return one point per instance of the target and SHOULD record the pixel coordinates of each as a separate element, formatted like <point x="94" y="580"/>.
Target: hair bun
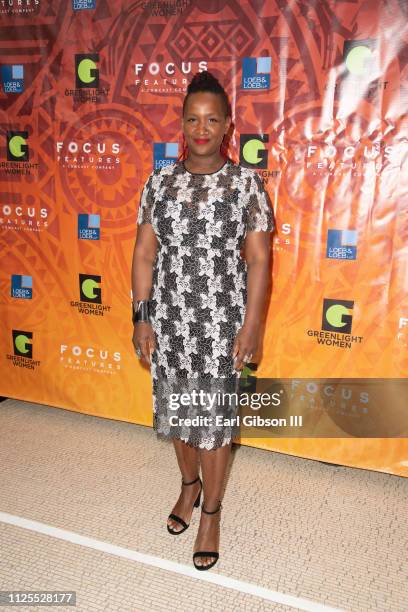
<point x="204" y="80"/>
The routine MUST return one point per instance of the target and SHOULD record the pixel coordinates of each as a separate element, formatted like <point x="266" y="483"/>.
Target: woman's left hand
<point x="245" y="345"/>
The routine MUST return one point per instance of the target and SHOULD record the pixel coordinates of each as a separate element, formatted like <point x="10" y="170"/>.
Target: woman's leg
<point x="187" y="458"/>
<point x="214" y="465"/>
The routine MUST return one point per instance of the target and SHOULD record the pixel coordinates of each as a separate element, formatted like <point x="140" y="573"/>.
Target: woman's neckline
<point x="205" y="173"/>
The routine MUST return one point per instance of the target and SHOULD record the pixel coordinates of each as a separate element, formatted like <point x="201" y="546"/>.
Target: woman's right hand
<point x="144" y="339"/>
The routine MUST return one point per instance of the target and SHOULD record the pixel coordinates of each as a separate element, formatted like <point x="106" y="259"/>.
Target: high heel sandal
<point x="203" y="553"/>
<point x="178" y="518"/>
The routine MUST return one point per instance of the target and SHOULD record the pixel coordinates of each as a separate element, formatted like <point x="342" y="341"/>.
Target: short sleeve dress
<point x="199" y="291"/>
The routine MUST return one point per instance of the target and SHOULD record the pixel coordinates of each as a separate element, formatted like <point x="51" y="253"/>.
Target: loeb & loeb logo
<point x="21" y="286"/>
<point x="12" y="77"/>
<point x="256" y="73"/>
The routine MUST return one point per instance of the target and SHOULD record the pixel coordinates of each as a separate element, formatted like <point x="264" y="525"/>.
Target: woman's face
<point x="204" y="123"/>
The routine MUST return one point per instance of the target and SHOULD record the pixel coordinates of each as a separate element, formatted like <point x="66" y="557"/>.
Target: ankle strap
<point x="190" y="483"/>
<point x="213" y="512"/>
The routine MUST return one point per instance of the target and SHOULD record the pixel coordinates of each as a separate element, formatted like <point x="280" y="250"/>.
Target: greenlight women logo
<point x="358" y="56"/>
<point x="247" y="379"/>
<point x="17" y="147"/>
<point x="337" y="316"/>
<point x="90" y="288"/>
<point x="86" y="70"/>
<point x="22" y="343"/>
<point x="253" y="152"/>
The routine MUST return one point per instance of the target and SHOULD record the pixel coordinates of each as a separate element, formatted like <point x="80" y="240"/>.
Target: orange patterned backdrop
<point x="91" y="97"/>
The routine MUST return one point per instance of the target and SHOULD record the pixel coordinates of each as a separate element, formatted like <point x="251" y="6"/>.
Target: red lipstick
<point x="201" y="140"/>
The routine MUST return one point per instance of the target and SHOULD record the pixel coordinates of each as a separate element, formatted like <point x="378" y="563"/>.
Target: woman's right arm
<point x="144" y="256"/>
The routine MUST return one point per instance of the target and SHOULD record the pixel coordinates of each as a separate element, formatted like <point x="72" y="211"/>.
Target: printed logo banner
<point x="319" y="101"/>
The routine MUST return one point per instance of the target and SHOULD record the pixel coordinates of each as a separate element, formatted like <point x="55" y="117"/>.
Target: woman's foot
<point x="208" y="536"/>
<point x="184" y="505"/>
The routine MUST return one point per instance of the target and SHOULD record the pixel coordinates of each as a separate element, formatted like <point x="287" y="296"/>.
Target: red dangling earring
<point x="183" y="154"/>
<point x="224" y="147"/>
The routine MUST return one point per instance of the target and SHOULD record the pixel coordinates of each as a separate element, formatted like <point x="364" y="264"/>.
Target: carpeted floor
<point x="296" y="534"/>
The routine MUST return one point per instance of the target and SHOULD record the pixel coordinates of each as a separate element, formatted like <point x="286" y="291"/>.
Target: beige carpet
<point x="326" y="535"/>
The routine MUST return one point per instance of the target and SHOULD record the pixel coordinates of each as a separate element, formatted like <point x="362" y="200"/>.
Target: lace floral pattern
<point x="199" y="289"/>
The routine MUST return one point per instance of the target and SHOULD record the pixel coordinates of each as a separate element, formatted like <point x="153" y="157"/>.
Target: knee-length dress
<point x="199" y="292"/>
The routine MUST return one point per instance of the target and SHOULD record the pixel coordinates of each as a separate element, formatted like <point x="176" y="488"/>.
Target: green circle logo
<point x="21" y="342"/>
<point x="85" y="68"/>
<point x="88" y="287"/>
<point x="16" y="144"/>
<point x="335" y="313"/>
<point x="251" y="149"/>
<point x="357" y="58"/>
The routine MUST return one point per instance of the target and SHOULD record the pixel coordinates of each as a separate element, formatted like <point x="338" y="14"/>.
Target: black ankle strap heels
<point x="204" y="553"/>
<point x="178" y="519"/>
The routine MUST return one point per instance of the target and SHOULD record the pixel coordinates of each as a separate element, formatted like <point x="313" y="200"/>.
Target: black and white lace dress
<point x="199" y="292"/>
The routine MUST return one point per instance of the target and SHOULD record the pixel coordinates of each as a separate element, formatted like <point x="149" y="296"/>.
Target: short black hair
<point x="207" y="82"/>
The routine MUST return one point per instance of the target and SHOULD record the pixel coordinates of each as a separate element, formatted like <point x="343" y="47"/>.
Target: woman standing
<point x="197" y="305"/>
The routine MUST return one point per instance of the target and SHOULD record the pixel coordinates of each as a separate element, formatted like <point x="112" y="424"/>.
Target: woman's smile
<point x="204" y="127"/>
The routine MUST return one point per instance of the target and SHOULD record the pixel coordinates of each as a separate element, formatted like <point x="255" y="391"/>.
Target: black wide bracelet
<point x="140" y="311"/>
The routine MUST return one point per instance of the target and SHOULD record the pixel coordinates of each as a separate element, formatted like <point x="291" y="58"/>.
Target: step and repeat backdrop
<point x="91" y="94"/>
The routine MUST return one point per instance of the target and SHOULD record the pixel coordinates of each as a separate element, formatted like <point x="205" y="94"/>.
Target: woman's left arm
<point x="257" y="255"/>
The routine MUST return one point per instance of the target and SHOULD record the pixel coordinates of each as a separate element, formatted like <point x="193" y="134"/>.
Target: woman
<point x="197" y="305"/>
